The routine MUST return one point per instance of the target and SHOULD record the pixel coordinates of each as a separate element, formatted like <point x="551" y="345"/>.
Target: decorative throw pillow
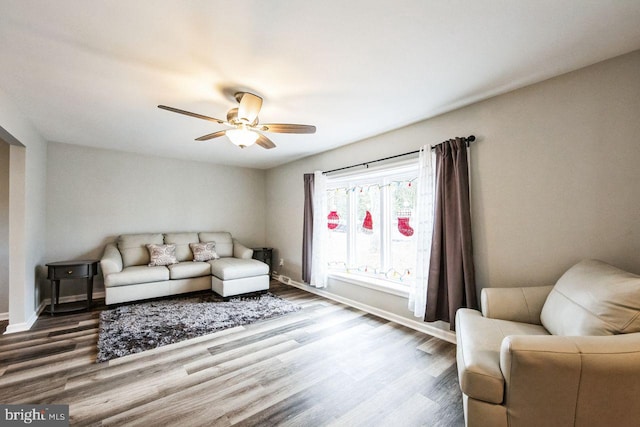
<point x="204" y="251"/>
<point x="593" y="298"/>
<point x="162" y="255"/>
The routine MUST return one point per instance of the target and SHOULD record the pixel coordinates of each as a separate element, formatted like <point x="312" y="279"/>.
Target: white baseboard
<point x="4" y="316"/>
<point x="21" y="327"/>
<point x="413" y="324"/>
<point x="25" y="326"/>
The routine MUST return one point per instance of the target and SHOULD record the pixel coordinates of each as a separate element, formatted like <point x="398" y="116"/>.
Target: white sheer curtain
<point x="319" y="241"/>
<point x="424" y="232"/>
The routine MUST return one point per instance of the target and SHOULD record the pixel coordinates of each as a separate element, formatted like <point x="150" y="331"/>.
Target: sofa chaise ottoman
<point x="128" y="275"/>
<point x="562" y="355"/>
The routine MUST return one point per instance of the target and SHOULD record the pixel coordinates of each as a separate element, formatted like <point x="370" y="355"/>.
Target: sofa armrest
<point x="558" y="380"/>
<point x="111" y="261"/>
<point x="241" y="251"/>
<point x="478" y="361"/>
<point x="516" y="304"/>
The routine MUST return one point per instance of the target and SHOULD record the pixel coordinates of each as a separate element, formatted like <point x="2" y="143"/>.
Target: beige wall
<point x="27" y="173"/>
<point x="4" y="227"/>
<point x="555" y="178"/>
<point x="94" y="195"/>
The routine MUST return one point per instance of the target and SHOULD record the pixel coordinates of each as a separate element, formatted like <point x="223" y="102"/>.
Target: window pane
<point x="403" y="242"/>
<point x="370" y="221"/>
<point x="368" y="226"/>
<point x="337" y="222"/>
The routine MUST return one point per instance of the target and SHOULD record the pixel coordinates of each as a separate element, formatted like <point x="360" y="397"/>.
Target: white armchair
<point x="518" y="366"/>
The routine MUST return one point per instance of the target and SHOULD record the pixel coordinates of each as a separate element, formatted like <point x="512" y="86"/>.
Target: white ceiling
<point x="92" y="72"/>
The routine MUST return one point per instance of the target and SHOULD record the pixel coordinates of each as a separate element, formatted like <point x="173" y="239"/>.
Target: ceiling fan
<point x="244" y="123"/>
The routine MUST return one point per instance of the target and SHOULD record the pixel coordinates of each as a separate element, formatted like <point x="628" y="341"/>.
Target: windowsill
<point x="372" y="283"/>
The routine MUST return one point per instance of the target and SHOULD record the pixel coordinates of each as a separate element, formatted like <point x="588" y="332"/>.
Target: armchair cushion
<point x="515" y="304"/>
<point x="479" y="340"/>
<point x="593" y="298"/>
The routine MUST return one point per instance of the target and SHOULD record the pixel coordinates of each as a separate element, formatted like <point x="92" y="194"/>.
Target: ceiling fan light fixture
<point x="242" y="137"/>
<point x="243" y="121"/>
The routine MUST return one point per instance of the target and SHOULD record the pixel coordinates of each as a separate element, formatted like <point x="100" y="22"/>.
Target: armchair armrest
<point x="516" y="304"/>
<point x="111" y="261"/>
<point x="241" y="251"/>
<point x="558" y="380"/>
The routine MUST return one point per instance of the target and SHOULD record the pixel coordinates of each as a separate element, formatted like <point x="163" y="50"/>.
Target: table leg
<point x="53" y="293"/>
<point x="89" y="291"/>
<point x="57" y="291"/>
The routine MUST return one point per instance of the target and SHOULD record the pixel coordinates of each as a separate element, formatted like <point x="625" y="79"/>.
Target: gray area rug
<point x="134" y="328"/>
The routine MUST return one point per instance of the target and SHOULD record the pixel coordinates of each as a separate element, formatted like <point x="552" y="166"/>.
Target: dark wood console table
<point x="84" y="269"/>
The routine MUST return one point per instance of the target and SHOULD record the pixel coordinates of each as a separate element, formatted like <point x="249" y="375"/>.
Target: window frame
<point x="385" y="174"/>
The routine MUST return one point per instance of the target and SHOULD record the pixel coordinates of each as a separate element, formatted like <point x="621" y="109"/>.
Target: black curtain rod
<point x="466" y="140"/>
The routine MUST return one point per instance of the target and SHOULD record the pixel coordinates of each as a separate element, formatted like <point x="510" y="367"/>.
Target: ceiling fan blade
<point x="265" y="142"/>
<point x="232" y="115"/>
<point x="211" y="135"/>
<point x="189" y="113"/>
<point x="250" y="105"/>
<point x="287" y="128"/>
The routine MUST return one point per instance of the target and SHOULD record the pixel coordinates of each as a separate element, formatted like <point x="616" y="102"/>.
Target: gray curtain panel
<point x="307" y="230"/>
<point x="451" y="283"/>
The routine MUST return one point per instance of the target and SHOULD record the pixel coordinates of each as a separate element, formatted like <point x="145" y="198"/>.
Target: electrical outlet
<point x="281" y="262"/>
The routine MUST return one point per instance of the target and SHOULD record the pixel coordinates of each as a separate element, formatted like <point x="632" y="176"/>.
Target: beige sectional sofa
<point x="128" y="277"/>
<point x="563" y="355"/>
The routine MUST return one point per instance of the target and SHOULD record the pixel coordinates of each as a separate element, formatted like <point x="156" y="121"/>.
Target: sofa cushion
<point x="189" y="269"/>
<point x="137" y="274"/>
<point x="224" y="242"/>
<point x="204" y="251"/>
<point x="478" y="352"/>
<point x="182" y="240"/>
<point x="235" y="268"/>
<point x="162" y="255"/>
<point x="133" y="247"/>
<point x="593" y="298"/>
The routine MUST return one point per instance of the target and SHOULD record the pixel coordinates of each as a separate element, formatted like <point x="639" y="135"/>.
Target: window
<point x="370" y="223"/>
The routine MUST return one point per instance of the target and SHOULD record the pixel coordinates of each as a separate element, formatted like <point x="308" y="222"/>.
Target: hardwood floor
<point x="326" y="365"/>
